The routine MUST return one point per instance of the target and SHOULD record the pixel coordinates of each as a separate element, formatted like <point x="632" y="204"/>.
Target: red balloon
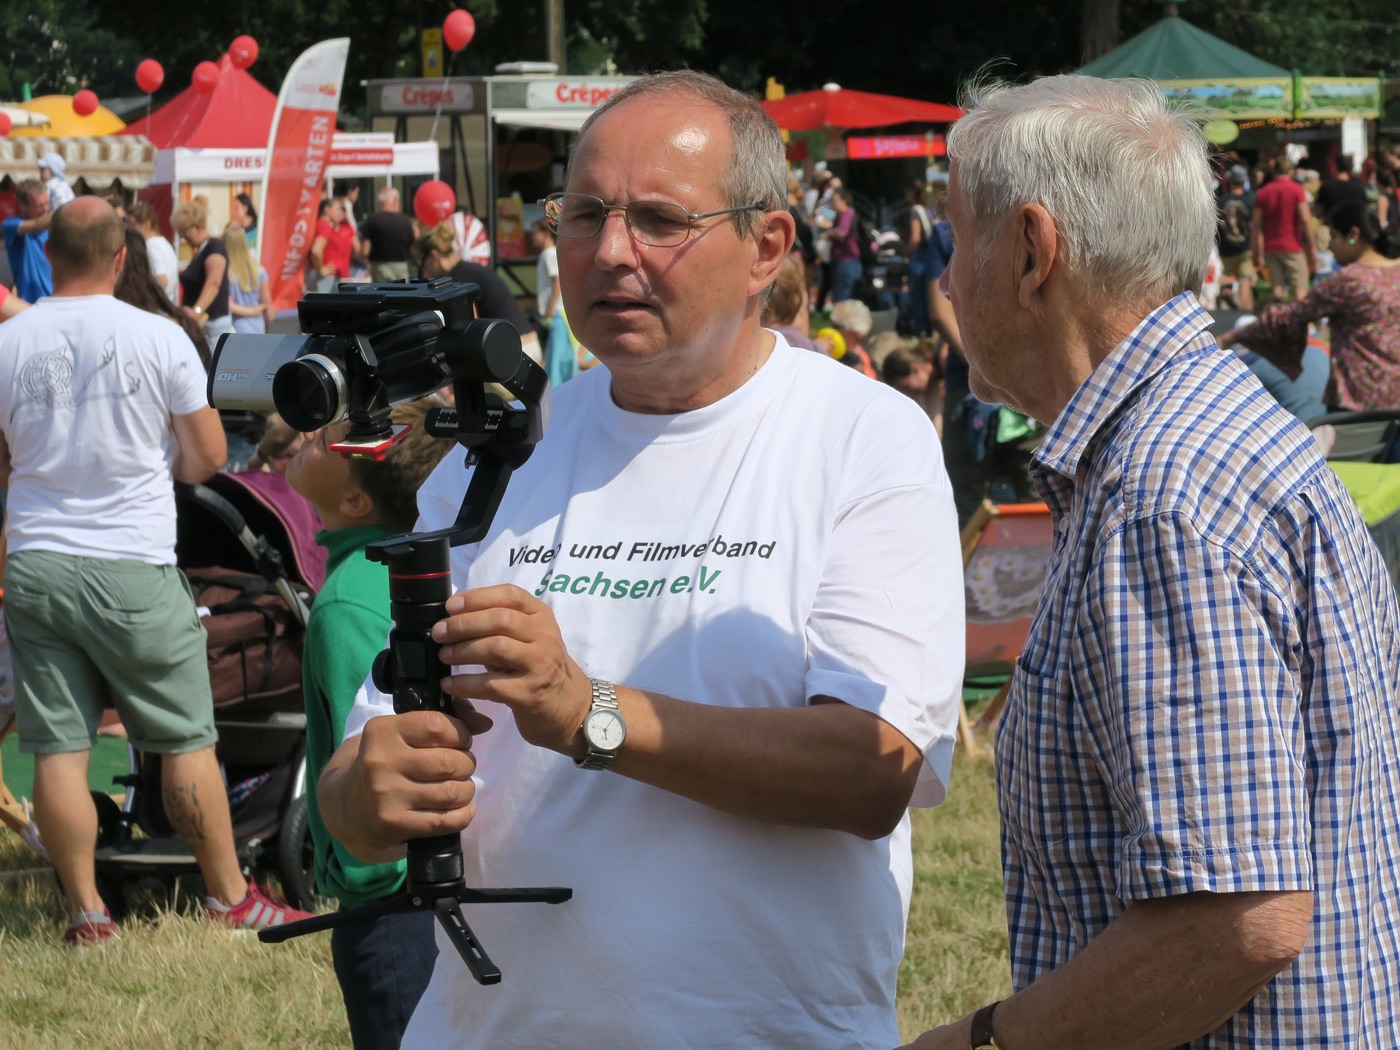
<point x="243" y="52"/>
<point x="85" y="103"/>
<point x="150" y="75"/>
<point x="4" y="124"/>
<point x="434" y="202"/>
<point x="205" y="77"/>
<point x="458" y="29"/>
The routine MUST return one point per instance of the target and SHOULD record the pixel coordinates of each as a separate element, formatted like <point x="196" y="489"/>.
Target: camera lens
<point x="309" y="392"/>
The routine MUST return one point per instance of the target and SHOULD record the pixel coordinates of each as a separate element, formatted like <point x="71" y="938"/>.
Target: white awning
<point x="554" y="119"/>
<point x="98" y="160"/>
<point x="25" y="118"/>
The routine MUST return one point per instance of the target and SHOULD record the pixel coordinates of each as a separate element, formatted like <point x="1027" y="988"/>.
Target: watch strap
<point x="604" y="698"/>
<point x="982" y="1037"/>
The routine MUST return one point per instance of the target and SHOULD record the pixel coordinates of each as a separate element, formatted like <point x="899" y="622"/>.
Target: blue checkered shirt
<point x="1207" y="699"/>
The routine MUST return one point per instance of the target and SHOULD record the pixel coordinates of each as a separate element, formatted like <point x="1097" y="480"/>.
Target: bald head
<point x="389" y="199"/>
<point x="85" y="239"/>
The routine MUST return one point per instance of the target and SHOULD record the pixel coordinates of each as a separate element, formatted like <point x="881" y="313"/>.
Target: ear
<point x="774" y="236"/>
<point x="1037" y="242"/>
<point x="356" y="504"/>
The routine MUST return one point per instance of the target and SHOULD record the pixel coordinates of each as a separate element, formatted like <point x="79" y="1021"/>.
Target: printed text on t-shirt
<point x="607" y="584"/>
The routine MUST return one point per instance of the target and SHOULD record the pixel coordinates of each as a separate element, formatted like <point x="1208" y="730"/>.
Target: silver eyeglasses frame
<point x="553" y="206"/>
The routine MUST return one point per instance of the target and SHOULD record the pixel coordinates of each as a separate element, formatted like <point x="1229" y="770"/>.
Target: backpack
<point x="935" y="251"/>
<point x="1236" y="230"/>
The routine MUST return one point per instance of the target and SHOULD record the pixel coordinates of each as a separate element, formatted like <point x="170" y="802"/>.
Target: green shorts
<point x="84" y="631"/>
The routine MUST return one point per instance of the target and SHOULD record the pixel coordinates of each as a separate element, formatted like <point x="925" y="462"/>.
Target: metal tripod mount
<point x="499" y="438"/>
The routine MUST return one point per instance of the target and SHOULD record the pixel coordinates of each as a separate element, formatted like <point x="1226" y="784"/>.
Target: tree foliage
<point x="58" y="47"/>
<point x="1340" y="38"/>
<point x="905" y="47"/>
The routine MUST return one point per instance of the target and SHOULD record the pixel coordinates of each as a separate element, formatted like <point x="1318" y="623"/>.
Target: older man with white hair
<point x="1198" y="763"/>
<point x="386" y="238"/>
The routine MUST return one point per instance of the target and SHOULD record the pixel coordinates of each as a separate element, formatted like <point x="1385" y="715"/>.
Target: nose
<point x="616" y="246"/>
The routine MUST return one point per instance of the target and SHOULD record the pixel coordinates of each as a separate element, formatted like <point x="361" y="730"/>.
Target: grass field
<point x="172" y="981"/>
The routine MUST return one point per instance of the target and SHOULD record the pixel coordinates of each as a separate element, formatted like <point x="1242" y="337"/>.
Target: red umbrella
<point x="835" y="107"/>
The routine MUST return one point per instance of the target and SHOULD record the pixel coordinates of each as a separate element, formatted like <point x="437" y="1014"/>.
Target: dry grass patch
<point x="171" y="980"/>
<point x="174" y="981"/>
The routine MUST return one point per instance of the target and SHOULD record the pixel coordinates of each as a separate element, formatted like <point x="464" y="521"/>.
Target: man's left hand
<point x="516" y="638"/>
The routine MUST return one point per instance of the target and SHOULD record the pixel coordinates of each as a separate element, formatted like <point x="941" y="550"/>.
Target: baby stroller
<point x="245" y="542"/>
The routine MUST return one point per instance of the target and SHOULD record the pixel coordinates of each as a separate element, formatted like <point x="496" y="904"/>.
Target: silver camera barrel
<point x="240" y="377"/>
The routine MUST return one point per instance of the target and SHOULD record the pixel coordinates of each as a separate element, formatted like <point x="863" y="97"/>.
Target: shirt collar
<point x="1174" y="326"/>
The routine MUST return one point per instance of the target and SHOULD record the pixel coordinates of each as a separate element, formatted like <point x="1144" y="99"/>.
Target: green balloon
<point x="1221" y="132"/>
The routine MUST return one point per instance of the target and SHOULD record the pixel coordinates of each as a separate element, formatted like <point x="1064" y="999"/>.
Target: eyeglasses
<point x="660" y="224"/>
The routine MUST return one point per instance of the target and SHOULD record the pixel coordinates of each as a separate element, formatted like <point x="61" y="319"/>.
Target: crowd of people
<point x="709" y="652"/>
<point x="1332" y="259"/>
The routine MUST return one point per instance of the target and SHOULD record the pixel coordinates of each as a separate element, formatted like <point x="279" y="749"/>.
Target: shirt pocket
<point x="1038" y="775"/>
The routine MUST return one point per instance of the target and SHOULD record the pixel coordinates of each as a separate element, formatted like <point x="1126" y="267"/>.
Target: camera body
<point x="369" y="347"/>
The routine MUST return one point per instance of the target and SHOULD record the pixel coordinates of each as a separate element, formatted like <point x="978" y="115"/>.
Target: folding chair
<point x="1358" y="437"/>
<point x="1006" y="552"/>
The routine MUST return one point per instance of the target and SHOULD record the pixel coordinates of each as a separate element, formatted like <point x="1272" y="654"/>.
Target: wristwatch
<point x="199" y="310"/>
<point x="603" y="727"/>
<point x="982" y="1037"/>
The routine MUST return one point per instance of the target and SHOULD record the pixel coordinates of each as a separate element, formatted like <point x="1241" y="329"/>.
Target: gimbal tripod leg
<point x="449" y="917"/>
<point x="330" y="920"/>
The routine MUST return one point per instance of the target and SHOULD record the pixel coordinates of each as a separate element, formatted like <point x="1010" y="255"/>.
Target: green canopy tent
<point x="1190" y="63"/>
<point x="1174" y="49"/>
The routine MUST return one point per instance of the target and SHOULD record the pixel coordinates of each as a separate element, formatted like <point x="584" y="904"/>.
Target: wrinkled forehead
<point x="653" y="140"/>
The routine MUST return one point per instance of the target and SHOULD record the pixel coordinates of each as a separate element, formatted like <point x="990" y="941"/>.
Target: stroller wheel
<point x="296" y="857"/>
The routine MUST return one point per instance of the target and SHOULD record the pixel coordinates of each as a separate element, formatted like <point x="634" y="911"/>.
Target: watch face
<point x="604" y="729"/>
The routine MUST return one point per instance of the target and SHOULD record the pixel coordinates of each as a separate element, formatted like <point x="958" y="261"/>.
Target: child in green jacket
<point x="383" y="964"/>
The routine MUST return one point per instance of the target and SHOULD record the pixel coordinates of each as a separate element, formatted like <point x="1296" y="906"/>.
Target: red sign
<point x="883" y="146"/>
<point x="360" y="155"/>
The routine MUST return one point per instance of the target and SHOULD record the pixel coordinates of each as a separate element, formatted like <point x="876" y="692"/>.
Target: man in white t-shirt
<point x="102" y="406"/>
<point x="718" y="624"/>
<point x="165" y="264"/>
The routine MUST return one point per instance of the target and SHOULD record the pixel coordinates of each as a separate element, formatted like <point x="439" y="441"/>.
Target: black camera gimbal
<point x="499" y="438"/>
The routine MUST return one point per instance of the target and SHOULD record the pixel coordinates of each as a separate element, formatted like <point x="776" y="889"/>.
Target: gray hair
<point x="758" y="171"/>
<point x="1124" y="175"/>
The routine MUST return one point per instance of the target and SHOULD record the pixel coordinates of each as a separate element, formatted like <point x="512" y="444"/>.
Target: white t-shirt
<point x="87" y="388"/>
<point x="795" y="539"/>
<point x="546" y="274"/>
<point x="165" y="265"/>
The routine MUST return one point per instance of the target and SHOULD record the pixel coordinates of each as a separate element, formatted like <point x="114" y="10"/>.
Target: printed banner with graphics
<point x="299" y="147"/>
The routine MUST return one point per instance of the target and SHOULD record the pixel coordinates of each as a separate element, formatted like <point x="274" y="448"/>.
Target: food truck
<point x="503" y="139"/>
